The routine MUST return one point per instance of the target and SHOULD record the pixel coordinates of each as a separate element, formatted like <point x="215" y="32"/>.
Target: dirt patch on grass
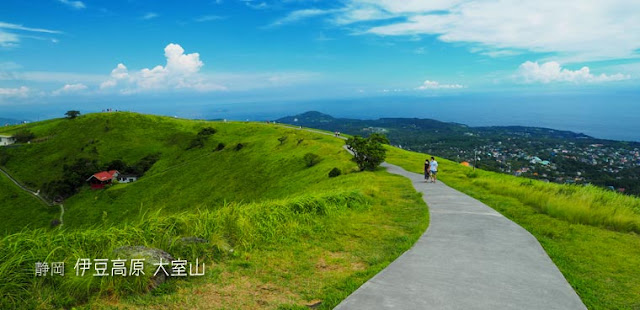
<point x="241" y="293"/>
<point x="340" y="261"/>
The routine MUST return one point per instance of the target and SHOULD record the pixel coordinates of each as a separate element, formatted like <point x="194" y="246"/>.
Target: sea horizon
<point x="597" y="115"/>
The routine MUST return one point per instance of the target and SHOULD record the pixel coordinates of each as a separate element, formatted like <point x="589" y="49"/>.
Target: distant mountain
<point x="411" y="125"/>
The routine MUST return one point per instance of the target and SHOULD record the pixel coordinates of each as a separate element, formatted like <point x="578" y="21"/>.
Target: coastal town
<point x="607" y="164"/>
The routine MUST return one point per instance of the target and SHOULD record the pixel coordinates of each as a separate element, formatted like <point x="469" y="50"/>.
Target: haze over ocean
<point x="606" y="116"/>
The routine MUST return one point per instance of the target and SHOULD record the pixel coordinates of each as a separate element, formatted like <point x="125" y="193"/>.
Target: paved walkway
<point x="471" y="257"/>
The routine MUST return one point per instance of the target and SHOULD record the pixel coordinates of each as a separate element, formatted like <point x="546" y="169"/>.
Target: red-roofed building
<point x="100" y="179"/>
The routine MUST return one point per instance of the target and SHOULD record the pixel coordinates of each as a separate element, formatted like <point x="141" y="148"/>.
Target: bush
<point x="207" y="131"/>
<point x="198" y="142"/>
<point x="220" y="147"/>
<point x="334" y="172"/>
<point x="239" y="146"/>
<point x="24" y="136"/>
<point x="311" y="159"/>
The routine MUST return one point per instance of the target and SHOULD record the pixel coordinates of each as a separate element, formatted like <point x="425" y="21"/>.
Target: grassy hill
<point x="278" y="234"/>
<point x="591" y="234"/>
<point x="182" y="178"/>
<point x="265" y="220"/>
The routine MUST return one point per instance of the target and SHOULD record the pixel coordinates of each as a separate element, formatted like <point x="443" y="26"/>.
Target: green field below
<point x="591" y="234"/>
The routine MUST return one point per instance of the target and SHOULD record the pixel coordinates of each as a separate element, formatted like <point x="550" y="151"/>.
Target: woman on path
<point x="427" y="169"/>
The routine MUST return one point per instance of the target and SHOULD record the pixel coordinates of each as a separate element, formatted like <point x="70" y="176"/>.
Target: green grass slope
<point x="591" y="234"/>
<point x="182" y="179"/>
<point x="270" y="222"/>
<point x="20" y="210"/>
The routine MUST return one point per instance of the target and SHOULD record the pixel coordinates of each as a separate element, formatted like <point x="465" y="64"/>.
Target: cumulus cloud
<point x="14" y="92"/>
<point x="73" y="4"/>
<point x="436" y="85"/>
<point x="533" y="72"/>
<point x="575" y="29"/>
<point x="70" y="88"/>
<point x="181" y="71"/>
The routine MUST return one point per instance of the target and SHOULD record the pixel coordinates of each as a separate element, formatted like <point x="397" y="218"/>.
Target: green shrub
<point x="207" y="131"/>
<point x="311" y="159"/>
<point x="24" y="136"/>
<point x="334" y="172"/>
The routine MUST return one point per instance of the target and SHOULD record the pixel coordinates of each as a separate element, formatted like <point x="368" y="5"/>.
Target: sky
<point x="86" y="53"/>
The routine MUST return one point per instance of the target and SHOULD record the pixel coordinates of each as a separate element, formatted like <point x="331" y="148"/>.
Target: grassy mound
<point x="590" y="233"/>
<point x="264" y="218"/>
<point x="183" y="177"/>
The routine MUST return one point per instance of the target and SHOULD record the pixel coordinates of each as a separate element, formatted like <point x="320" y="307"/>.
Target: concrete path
<point x="470" y="257"/>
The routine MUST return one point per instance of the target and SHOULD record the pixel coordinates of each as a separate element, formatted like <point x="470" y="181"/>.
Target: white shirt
<point x="434" y="165"/>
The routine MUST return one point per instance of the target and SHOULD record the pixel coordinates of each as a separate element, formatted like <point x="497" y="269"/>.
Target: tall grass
<point x="228" y="230"/>
<point x="588" y="205"/>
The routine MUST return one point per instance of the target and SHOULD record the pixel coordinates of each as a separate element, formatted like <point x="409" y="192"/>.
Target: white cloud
<point x="532" y="72"/>
<point x="299" y="15"/>
<point x="436" y="85"/>
<point x="73" y="4"/>
<point x="14" y="92"/>
<point x="208" y="18"/>
<point x="180" y="72"/>
<point x="576" y="30"/>
<point x="70" y="88"/>
<point x="255" y="4"/>
<point x="150" y="15"/>
<point x="12" y="39"/>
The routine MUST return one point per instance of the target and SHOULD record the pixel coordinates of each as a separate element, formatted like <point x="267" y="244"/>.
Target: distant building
<point x="127" y="178"/>
<point x="7" y="140"/>
<point x="103" y="178"/>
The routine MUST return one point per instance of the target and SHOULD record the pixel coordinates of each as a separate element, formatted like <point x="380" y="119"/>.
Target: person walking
<point x="433" y="167"/>
<point x="427" y="168"/>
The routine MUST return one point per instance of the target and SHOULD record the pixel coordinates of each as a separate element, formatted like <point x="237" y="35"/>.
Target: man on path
<point x="434" y="169"/>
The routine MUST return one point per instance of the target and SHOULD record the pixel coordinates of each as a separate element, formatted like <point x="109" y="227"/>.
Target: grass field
<point x="279" y="234"/>
<point x="591" y="234"/>
<point x="22" y="211"/>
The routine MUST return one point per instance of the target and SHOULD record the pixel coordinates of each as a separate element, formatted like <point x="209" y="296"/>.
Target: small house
<point x="7" y="140"/>
<point x="101" y="179"/>
<point x="127" y="178"/>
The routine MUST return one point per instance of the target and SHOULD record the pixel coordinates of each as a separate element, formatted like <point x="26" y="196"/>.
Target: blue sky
<point x="83" y="51"/>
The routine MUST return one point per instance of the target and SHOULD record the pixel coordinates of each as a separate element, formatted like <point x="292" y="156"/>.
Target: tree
<point x="368" y="153"/>
<point x="24" y="136"/>
<point x="72" y="114"/>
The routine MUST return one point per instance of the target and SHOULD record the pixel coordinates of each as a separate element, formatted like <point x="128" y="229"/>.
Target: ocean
<point x="608" y="116"/>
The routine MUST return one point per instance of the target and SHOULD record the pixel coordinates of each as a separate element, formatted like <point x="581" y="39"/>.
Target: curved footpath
<point x="470" y="257"/>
